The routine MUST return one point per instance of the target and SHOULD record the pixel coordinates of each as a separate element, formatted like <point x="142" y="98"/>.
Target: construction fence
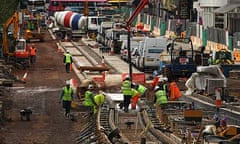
<point x="210" y="37"/>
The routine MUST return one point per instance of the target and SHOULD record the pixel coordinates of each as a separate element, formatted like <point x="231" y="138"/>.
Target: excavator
<point x="15" y="49"/>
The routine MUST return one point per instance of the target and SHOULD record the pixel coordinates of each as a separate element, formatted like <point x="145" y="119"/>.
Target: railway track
<point x="137" y="126"/>
<point x="83" y="55"/>
<point x="114" y="126"/>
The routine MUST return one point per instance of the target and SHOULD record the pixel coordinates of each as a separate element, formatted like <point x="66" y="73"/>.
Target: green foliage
<point x="7" y="9"/>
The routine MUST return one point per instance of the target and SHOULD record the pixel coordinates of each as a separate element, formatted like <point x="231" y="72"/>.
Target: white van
<point x="149" y="51"/>
<point x="134" y="43"/>
<point x="101" y="31"/>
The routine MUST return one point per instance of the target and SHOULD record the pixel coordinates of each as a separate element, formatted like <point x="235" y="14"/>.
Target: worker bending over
<point x="134" y="99"/>
<point x="92" y="100"/>
<point x="160" y="97"/>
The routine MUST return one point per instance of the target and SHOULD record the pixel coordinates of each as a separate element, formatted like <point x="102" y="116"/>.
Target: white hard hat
<point x="160" y="79"/>
<point x="156" y="87"/>
<point x="127" y="77"/>
<point x="67" y="51"/>
<point x="90" y="86"/>
<point x="67" y="82"/>
<point x="165" y="79"/>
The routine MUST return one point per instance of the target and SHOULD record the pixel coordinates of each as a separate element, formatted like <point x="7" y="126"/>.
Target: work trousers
<point x="67" y="107"/>
<point x="126" y="101"/>
<point x="32" y="59"/>
<point x="67" y="67"/>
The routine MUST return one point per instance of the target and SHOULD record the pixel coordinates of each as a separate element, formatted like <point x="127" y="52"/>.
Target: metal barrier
<point x="136" y="77"/>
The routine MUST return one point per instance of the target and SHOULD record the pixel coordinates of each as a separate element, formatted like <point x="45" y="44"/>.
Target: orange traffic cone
<point x="104" y="75"/>
<point x="24" y="77"/>
<point x="71" y="67"/>
<point x="103" y="62"/>
<point x="66" y="38"/>
<point x="111" y="51"/>
<point x="218" y="101"/>
<point x="59" y="49"/>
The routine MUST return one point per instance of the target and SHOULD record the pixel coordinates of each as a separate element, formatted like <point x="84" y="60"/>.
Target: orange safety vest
<point x="32" y="51"/>
<point x="174" y="91"/>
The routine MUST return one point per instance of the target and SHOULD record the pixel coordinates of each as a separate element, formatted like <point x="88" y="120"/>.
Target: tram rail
<point x="106" y="127"/>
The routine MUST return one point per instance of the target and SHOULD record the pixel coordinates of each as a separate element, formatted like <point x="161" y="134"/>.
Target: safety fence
<point x="210" y="37"/>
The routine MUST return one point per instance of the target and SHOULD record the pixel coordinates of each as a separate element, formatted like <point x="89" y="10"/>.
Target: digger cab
<point x="21" y="49"/>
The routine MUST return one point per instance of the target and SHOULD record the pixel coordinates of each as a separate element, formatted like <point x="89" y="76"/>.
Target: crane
<point x="138" y="9"/>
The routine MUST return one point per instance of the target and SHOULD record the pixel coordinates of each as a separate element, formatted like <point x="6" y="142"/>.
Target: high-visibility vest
<point x="161" y="97"/>
<point x="174" y="91"/>
<point x="88" y="99"/>
<point x="67" y="96"/>
<point x="135" y="93"/>
<point x="29" y="25"/>
<point x="32" y="51"/>
<point x="141" y="89"/>
<point x="67" y="58"/>
<point x="126" y="88"/>
<point x="99" y="99"/>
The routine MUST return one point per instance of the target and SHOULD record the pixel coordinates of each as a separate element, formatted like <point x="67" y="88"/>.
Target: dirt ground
<point x="41" y="91"/>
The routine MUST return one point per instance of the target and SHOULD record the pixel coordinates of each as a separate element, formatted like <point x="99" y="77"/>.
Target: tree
<point x="7" y="8"/>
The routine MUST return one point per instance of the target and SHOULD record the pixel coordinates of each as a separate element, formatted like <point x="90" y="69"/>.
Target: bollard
<point x="25" y="113"/>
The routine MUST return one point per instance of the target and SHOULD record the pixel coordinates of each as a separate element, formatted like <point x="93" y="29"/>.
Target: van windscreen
<point x="155" y="50"/>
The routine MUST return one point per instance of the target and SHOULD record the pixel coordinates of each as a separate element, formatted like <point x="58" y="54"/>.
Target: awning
<point x="226" y="8"/>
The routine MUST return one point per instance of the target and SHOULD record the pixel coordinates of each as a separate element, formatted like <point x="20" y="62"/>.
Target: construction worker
<point x="174" y="91"/>
<point x="210" y="59"/>
<point x="67" y="97"/>
<point x="67" y="61"/>
<point x="160" y="97"/>
<point x="162" y="82"/>
<point x="140" y="88"/>
<point x="33" y="51"/>
<point x="127" y="93"/>
<point x="89" y="96"/>
<point x="98" y="101"/>
<point x="135" y="97"/>
<point x="91" y="100"/>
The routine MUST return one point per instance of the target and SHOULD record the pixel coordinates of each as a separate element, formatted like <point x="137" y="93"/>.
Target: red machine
<point x="17" y="49"/>
<point x="139" y="8"/>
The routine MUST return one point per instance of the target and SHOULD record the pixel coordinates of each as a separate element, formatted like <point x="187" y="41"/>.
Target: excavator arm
<point x="139" y="8"/>
<point x="12" y="20"/>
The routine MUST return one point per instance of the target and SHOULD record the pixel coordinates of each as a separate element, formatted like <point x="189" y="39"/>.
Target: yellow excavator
<point x="32" y="27"/>
<point x="15" y="48"/>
